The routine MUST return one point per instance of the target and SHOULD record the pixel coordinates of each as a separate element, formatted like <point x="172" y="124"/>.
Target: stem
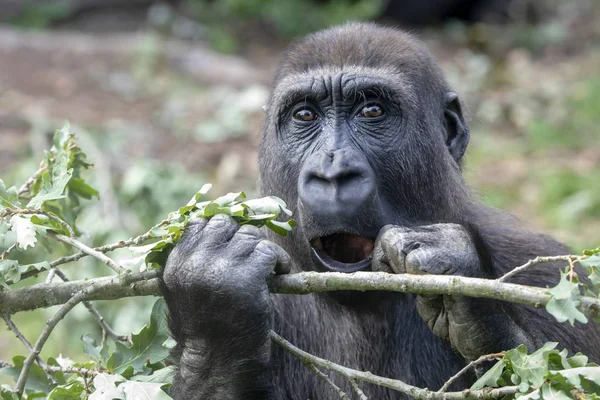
<point x="89" y="251"/>
<point x="539" y="260"/>
<point x="50" y="325"/>
<point x="487" y="357"/>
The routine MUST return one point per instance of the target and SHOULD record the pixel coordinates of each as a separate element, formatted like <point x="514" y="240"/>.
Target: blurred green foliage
<point x="287" y="18"/>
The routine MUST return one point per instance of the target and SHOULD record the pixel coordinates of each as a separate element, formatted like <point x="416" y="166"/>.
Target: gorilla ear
<point x="457" y="130"/>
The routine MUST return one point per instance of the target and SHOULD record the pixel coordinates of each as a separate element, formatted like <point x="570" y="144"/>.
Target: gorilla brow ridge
<point x="294" y="87"/>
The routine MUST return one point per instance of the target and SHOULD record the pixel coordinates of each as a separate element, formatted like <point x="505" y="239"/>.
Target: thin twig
<point x="106" y="329"/>
<point x="91" y="252"/>
<point x="340" y="393"/>
<point x="357" y="389"/>
<point x="72" y="370"/>
<point x="12" y="327"/>
<point x="400" y="386"/>
<point x="4" y="364"/>
<point x="539" y="260"/>
<point x="50" y="325"/>
<point x="51" y="274"/>
<point x="27" y="185"/>
<point x="101" y="249"/>
<point x="487" y="357"/>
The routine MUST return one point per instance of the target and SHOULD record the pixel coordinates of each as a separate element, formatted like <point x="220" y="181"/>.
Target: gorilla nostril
<point x="348" y="178"/>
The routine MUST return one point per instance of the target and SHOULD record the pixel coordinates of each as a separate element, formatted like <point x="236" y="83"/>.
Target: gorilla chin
<point x="342" y="252"/>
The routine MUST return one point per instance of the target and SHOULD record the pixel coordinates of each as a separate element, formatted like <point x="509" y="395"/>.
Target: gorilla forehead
<point x="361" y="44"/>
<point x="342" y="83"/>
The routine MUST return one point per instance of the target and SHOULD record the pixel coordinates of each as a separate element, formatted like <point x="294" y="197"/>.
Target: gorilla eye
<point x="371" y="111"/>
<point x="306" y="114"/>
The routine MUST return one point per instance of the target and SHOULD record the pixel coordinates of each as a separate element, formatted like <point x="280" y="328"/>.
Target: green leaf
<point x="563" y="304"/>
<point x="71" y="391"/>
<point x="9" y="270"/>
<point x="25" y="231"/>
<point x="163" y="376"/>
<point x="96" y="352"/>
<point x="44" y="221"/>
<point x="530" y="369"/>
<point x="549" y="392"/>
<point x="147" y="345"/>
<point x="591" y="261"/>
<point x="81" y="188"/>
<point x="8" y="197"/>
<point x="6" y="393"/>
<point x="106" y="387"/>
<point x="592" y="252"/>
<point x="53" y="188"/>
<point x="36" y="380"/>
<point x="143" y="391"/>
<point x="281" y="228"/>
<point x="491" y="377"/>
<point x="574" y="375"/>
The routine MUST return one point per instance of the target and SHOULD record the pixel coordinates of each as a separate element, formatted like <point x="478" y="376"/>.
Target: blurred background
<point x="166" y="96"/>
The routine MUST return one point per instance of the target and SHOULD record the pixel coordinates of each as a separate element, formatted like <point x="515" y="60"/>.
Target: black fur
<point x="343" y="173"/>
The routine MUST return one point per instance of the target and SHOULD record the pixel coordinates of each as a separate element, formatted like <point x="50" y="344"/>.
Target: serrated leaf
<point x="106" y="387"/>
<point x="25" y="231"/>
<point x="563" y="304"/>
<point x="92" y="349"/>
<point x="8" y="196"/>
<point x="71" y="391"/>
<point x="491" y="377"/>
<point x="147" y="345"/>
<point x="530" y="369"/>
<point x="591" y="261"/>
<point x="143" y="391"/>
<point x="52" y="188"/>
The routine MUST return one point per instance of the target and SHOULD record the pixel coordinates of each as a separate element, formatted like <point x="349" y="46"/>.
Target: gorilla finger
<point x="278" y="259"/>
<point x="245" y="240"/>
<point x="192" y="234"/>
<point x="392" y="241"/>
<point x="379" y="260"/>
<point x="425" y="260"/>
<point x="219" y="229"/>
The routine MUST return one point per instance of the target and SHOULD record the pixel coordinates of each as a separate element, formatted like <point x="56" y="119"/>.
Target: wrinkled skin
<point x="364" y="140"/>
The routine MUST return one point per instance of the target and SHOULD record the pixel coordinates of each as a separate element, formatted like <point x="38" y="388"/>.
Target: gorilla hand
<point x="216" y="289"/>
<point x="472" y="326"/>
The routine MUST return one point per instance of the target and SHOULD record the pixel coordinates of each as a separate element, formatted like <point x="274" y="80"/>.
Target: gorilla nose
<point x="337" y="182"/>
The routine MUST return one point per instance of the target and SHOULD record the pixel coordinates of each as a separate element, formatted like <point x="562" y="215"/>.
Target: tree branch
<point x="89" y="251"/>
<point x="144" y="284"/>
<point x="422" y="394"/>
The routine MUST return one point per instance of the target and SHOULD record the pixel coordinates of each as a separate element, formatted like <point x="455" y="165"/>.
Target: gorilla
<point x="364" y="139"/>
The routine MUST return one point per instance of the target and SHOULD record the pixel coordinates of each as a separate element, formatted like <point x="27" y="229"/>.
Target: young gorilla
<point x="363" y="139"/>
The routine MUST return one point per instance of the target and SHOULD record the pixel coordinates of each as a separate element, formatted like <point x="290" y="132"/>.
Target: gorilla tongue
<point x="344" y="247"/>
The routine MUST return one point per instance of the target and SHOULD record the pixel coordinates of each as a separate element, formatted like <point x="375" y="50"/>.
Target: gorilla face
<point x="352" y="149"/>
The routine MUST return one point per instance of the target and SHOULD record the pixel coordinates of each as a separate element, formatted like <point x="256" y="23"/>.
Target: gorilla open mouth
<point x="342" y="252"/>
